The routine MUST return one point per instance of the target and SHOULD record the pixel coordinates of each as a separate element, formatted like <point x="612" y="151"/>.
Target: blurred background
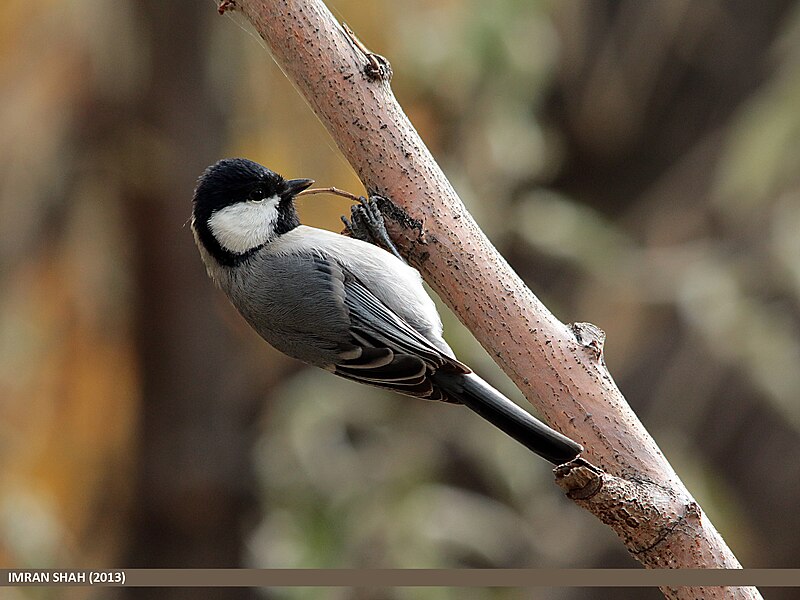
<point x="638" y="163"/>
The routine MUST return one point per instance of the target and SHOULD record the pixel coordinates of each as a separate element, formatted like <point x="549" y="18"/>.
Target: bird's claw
<point x="366" y="223"/>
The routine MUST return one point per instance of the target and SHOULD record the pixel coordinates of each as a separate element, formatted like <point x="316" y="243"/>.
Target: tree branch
<point x="559" y="368"/>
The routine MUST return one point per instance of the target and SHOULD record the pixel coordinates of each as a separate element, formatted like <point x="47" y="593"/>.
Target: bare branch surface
<point x="559" y="368"/>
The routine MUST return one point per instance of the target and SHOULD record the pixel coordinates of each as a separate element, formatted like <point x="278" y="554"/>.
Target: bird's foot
<point x="366" y="224"/>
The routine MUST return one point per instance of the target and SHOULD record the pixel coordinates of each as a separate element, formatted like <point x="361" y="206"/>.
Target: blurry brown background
<point x="638" y="163"/>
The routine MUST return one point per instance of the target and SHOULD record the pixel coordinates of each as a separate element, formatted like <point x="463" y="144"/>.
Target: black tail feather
<point x="479" y="396"/>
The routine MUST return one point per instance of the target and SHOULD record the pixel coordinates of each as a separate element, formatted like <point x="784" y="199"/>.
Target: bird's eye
<point x="257" y="195"/>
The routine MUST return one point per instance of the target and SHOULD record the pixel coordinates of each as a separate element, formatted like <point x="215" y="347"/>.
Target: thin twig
<point x="329" y="190"/>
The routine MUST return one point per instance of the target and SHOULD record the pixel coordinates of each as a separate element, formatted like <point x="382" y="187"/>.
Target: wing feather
<point x="314" y="308"/>
<point x="407" y="358"/>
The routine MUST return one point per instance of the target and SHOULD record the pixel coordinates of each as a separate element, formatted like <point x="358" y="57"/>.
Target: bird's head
<point x="240" y="205"/>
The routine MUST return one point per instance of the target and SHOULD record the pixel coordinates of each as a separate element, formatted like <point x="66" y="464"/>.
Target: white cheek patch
<point x="245" y="225"/>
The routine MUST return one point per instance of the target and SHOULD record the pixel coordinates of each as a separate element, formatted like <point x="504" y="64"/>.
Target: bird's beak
<point x="295" y="186"/>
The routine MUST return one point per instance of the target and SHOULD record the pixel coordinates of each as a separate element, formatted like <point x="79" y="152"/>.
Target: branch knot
<point x="377" y="67"/>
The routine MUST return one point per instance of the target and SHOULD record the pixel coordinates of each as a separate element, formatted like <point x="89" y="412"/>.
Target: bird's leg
<point x="366" y="224"/>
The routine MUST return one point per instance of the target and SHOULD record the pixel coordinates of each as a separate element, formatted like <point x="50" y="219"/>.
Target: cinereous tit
<point x="339" y="303"/>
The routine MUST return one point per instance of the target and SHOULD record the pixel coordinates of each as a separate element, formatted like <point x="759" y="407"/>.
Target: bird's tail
<point x="479" y="396"/>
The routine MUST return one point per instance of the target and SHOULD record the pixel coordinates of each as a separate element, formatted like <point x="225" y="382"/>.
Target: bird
<point x="337" y="302"/>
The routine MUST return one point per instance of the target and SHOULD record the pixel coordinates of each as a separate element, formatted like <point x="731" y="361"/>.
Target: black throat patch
<point x="287" y="217"/>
